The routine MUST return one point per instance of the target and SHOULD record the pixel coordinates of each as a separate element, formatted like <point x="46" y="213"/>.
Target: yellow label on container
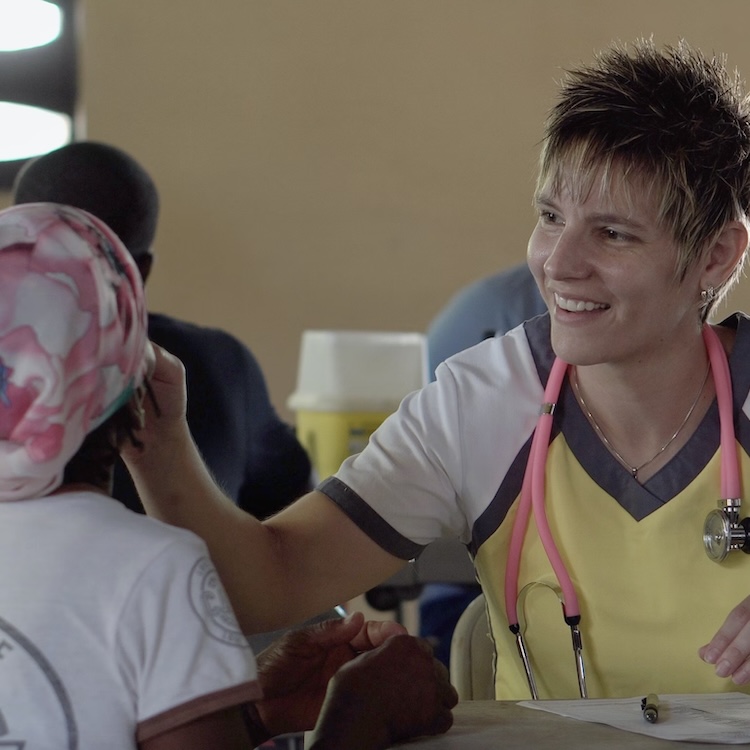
<point x="330" y="437"/>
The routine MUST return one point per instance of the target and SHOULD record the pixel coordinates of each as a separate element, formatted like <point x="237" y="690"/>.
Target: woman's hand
<point x="729" y="649"/>
<point x="165" y="465"/>
<point x="167" y="402"/>
<point x="165" y="406"/>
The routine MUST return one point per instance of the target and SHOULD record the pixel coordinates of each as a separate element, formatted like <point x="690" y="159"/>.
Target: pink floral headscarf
<point x="72" y="339"/>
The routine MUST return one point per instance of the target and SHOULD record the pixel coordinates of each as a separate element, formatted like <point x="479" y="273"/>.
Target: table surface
<point x="503" y="724"/>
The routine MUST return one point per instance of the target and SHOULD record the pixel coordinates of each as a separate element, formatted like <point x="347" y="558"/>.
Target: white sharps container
<point x="348" y="382"/>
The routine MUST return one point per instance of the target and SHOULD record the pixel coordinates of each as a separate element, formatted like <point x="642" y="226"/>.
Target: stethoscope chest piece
<point x="723" y="531"/>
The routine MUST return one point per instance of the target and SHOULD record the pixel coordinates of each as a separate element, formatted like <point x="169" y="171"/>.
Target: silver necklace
<point x="635" y="469"/>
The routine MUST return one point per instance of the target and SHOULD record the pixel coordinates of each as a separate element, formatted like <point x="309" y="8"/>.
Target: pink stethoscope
<point x="723" y="530"/>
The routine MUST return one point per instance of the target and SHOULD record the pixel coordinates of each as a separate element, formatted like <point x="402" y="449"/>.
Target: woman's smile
<point x="578" y="305"/>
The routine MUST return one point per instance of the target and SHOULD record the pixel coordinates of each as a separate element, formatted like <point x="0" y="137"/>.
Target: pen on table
<point x="650" y="708"/>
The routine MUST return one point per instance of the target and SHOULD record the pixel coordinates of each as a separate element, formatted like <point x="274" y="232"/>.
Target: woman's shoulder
<point x="733" y="331"/>
<point x="523" y="353"/>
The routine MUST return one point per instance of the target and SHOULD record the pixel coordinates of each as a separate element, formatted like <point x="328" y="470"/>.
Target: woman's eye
<point x="613" y="234"/>
<point x="548" y="217"/>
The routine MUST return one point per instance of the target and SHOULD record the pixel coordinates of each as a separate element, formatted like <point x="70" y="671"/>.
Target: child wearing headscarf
<point x="114" y="628"/>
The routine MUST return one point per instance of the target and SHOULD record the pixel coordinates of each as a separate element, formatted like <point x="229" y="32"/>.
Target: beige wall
<point x="342" y="163"/>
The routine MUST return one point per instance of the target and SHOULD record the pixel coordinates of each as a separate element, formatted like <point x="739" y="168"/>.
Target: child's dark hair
<point x="96" y="457"/>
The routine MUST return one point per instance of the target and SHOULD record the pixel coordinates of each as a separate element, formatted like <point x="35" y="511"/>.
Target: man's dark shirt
<point x="253" y="456"/>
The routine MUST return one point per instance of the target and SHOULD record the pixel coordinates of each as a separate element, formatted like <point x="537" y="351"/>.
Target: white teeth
<point x="572" y="305"/>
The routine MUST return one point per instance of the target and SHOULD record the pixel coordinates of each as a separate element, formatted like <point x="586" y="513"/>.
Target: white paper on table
<point x="722" y="718"/>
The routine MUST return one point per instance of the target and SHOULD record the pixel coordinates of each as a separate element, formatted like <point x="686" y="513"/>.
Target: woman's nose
<point x="567" y="256"/>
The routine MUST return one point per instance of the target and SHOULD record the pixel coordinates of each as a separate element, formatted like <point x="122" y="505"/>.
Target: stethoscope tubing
<point x="532" y="496"/>
<point x="730" y="468"/>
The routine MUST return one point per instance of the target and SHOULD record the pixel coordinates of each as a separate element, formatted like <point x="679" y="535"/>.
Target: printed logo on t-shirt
<point x="34" y="705"/>
<point x="212" y="606"/>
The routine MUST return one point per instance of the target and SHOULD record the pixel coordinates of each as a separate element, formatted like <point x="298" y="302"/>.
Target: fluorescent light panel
<point x="27" y="131"/>
<point x="28" y="23"/>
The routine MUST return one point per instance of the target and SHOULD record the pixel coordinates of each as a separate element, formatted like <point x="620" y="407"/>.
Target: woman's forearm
<point x="176" y="487"/>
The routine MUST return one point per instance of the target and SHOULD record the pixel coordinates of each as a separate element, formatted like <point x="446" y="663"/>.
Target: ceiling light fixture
<point x="28" y="23"/>
<point x="27" y="131"/>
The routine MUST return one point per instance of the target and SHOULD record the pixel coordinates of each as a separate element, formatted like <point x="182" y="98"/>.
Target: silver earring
<point x="707" y="295"/>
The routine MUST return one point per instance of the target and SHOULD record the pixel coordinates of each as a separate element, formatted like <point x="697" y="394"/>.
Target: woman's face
<point x="606" y="270"/>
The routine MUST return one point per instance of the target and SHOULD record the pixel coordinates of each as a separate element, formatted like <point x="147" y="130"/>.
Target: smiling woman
<point x="623" y="253"/>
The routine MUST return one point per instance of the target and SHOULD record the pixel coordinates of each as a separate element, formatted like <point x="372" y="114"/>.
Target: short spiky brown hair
<point x="672" y="117"/>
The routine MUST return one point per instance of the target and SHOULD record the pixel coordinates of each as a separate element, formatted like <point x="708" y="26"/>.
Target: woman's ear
<point x="725" y="254"/>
